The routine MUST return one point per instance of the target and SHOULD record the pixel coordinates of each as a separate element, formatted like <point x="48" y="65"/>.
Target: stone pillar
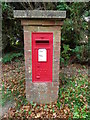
<point x="41" y="92"/>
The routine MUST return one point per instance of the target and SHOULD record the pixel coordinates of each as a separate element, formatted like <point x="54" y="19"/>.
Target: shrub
<point x="81" y="53"/>
<point x="65" y="54"/>
<point x="74" y="31"/>
<point x="10" y="56"/>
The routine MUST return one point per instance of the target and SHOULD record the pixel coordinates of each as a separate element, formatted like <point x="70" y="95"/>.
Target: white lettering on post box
<point x="42" y="55"/>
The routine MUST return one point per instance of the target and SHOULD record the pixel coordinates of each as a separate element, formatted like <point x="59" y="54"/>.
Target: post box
<point x="42" y="34"/>
<point x="42" y="56"/>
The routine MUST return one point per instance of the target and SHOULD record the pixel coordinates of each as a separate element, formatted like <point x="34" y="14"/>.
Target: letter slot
<point x="42" y="41"/>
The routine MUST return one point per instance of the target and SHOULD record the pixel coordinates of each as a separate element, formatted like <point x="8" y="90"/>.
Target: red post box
<point x="42" y="56"/>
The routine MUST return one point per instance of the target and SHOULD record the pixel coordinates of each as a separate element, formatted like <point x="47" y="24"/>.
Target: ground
<point x="72" y="101"/>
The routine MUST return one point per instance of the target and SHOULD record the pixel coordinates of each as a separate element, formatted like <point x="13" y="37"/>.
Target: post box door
<point x="42" y="57"/>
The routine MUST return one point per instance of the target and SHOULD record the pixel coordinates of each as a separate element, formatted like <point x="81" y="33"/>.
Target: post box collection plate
<point x="42" y="56"/>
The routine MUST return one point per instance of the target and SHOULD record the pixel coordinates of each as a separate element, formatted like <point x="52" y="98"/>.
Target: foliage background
<point x="74" y="40"/>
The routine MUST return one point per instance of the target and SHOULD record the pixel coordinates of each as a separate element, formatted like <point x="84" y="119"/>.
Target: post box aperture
<point x="42" y="57"/>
